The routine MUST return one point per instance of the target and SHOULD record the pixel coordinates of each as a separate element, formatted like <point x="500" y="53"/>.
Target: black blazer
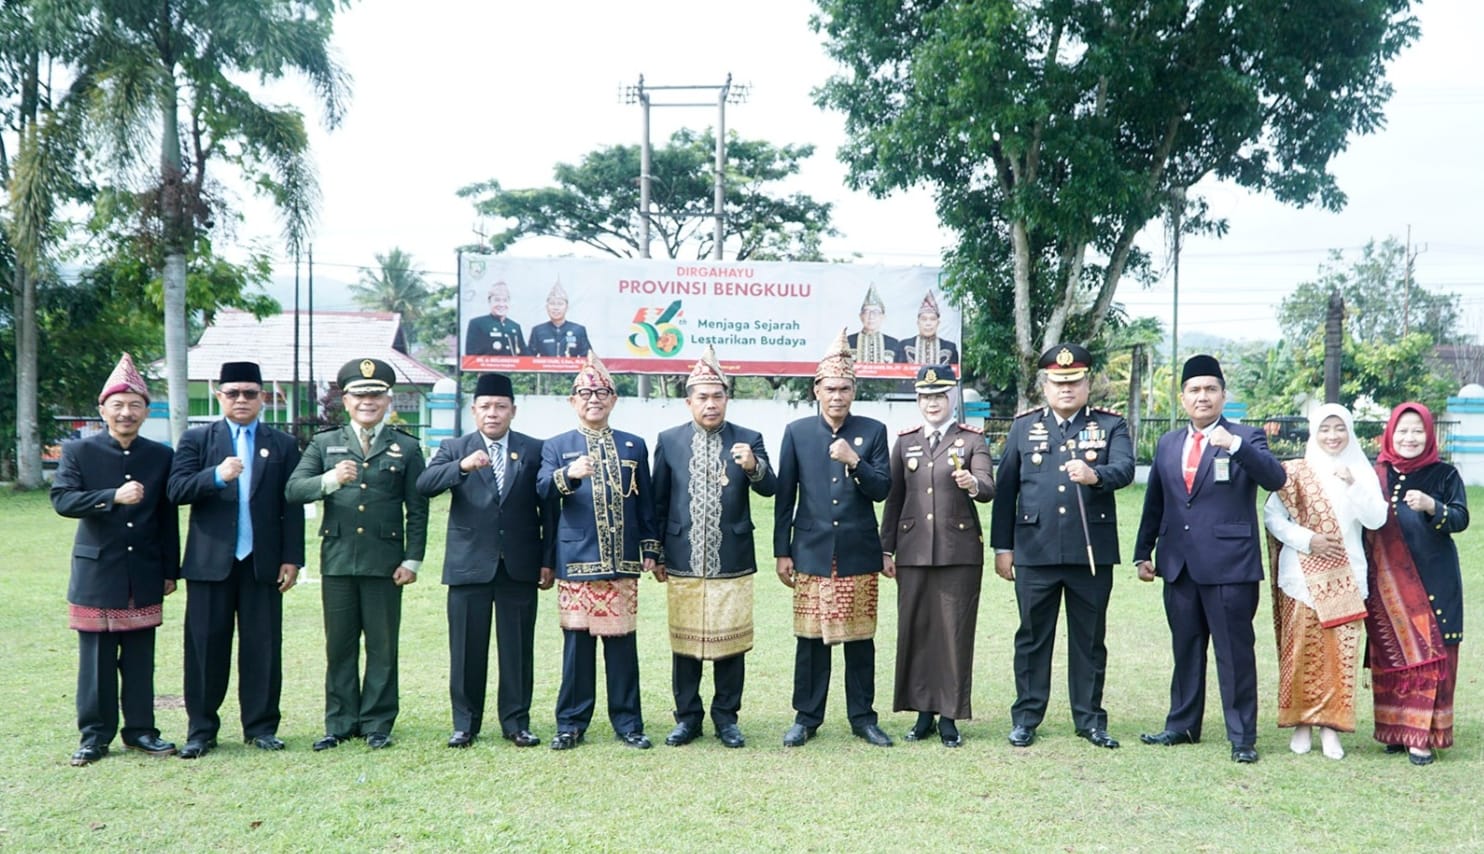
<point x="823" y="514"/>
<point x="672" y="456"/>
<point x="1035" y="509"/>
<point x="277" y="525"/>
<point x="122" y="552"/>
<point x="484" y="528"/>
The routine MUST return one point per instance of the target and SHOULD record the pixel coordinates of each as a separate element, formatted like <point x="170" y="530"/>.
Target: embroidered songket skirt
<point x="835" y="609"/>
<point x="600" y="608"/>
<point x="710" y="618"/>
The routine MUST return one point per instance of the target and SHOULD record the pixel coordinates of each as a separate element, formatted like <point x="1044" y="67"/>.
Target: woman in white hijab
<point x="1319" y="578"/>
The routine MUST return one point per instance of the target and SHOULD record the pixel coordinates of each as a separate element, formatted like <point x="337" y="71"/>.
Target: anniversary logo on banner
<point x="657" y="316"/>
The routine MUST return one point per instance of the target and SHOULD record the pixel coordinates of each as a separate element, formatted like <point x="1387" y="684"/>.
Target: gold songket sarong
<point x="710" y="618"/>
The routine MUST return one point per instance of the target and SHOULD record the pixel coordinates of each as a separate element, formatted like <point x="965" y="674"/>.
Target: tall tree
<point x="1379" y="307"/>
<point x="397" y="285"/>
<point x="596" y="202"/>
<point x="173" y="71"/>
<point x="1052" y="132"/>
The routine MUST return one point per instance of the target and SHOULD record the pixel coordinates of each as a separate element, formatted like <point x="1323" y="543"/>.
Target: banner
<point x="657" y="316"/>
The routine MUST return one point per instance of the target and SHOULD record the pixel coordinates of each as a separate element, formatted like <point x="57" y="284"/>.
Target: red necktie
<point x="1193" y="461"/>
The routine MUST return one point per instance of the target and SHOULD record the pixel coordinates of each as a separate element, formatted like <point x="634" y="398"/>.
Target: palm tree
<point x="396" y="285"/>
<point x="167" y="73"/>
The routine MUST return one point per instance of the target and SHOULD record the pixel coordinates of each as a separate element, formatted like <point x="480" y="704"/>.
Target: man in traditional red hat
<point x="606" y="537"/>
<point x="704" y="474"/>
<point x="125" y="560"/>
<point x="832" y="468"/>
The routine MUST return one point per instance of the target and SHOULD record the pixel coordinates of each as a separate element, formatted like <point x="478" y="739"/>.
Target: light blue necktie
<point x="244" y="492"/>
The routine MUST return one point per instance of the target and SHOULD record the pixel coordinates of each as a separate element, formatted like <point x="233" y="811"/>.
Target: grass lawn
<point x="836" y="793"/>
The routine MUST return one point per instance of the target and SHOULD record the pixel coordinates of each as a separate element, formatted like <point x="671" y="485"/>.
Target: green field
<point x="836" y="793"/>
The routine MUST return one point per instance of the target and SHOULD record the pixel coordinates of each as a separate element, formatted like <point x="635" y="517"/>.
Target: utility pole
<point x="1177" y="212"/>
<point x="1409" y="259"/>
<point x="640" y="93"/>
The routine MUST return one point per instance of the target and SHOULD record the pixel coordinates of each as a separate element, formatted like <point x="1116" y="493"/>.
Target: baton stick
<point x="1081" y="511"/>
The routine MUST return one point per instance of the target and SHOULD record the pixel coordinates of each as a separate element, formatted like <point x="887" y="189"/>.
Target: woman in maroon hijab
<point x="1414" y="620"/>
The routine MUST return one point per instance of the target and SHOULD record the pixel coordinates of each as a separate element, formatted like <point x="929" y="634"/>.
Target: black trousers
<point x="812" y="681"/>
<point x="1219" y="615"/>
<point x="1038" y="593"/>
<point x="729" y="674"/>
<point x="213" y="609"/>
<point x="512" y="605"/>
<point x="577" y="696"/>
<point x="104" y="659"/>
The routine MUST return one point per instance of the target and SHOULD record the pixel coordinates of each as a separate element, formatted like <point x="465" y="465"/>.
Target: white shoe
<point x="1330" y="743"/>
<point x="1302" y="740"/>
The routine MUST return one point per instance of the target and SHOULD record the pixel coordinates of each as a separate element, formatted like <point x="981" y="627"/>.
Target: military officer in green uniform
<point x="366" y="473"/>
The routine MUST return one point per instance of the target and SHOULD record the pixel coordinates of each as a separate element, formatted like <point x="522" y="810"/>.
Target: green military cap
<point x="366" y="376"/>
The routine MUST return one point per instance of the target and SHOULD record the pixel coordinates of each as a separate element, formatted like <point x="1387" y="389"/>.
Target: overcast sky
<point x="449" y="92"/>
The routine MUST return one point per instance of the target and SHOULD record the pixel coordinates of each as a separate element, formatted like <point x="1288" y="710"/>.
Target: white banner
<point x="657" y="316"/>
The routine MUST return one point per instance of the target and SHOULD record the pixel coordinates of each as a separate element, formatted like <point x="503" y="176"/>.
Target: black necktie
<point x="933" y="441"/>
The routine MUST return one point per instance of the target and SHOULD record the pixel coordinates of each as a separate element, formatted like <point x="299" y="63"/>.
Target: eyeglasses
<point x="244" y="393"/>
<point x="594" y="393"/>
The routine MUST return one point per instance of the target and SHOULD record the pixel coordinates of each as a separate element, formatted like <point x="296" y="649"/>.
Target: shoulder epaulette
<point x="330" y="429"/>
<point x="906" y="430"/>
<point x="1033" y="410"/>
<point x="1107" y="411"/>
<point x="970" y="428"/>
<point x="405" y="433"/>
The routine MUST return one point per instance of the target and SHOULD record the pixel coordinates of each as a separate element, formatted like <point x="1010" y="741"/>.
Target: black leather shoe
<point x="151" y="744"/>
<point x="1396" y="748"/>
<point x="1244" y="753"/>
<point x="566" y="740"/>
<point x="266" y="742"/>
<point x="1022" y="736"/>
<point x="197" y="748"/>
<point x="1169" y="738"/>
<point x="872" y="734"/>
<point x="1098" y="738"/>
<point x="1421" y="758"/>
<point x="523" y="738"/>
<point x="636" y="739"/>
<point x="378" y="740"/>
<point x="87" y="754"/>
<point x="950" y="736"/>
<point x="731" y="736"/>
<point x="797" y="735"/>
<point x="460" y="738"/>
<point x="683" y="733"/>
<point x="326" y="742"/>
<point x="921" y="730"/>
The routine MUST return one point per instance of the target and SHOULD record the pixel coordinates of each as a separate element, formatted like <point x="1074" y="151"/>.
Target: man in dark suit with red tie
<point x="243" y="552"/>
<point x="501" y="549"/>
<point x="1200" y="512"/>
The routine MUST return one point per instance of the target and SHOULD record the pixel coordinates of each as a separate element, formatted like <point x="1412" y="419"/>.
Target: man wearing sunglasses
<point x="243" y="552"/>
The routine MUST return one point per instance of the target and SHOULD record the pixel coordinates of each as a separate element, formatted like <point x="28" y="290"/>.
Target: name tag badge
<point x="571" y="455"/>
<point x="1222" y="468"/>
<point x="337" y="449"/>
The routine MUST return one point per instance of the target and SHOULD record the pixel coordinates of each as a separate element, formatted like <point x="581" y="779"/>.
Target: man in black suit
<point x="495" y="334"/>
<point x="1200" y="512"/>
<point x="704" y="474"/>
<point x="830" y="470"/>
<point x="501" y="541"/>
<point x="125" y="559"/>
<point x="243" y="552"/>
